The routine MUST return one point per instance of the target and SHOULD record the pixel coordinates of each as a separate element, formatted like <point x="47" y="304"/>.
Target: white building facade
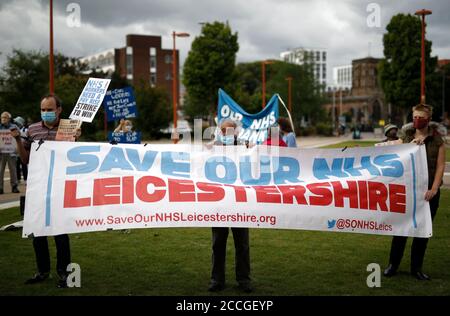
<point x="342" y="77"/>
<point x="315" y="57"/>
<point x="103" y="61"/>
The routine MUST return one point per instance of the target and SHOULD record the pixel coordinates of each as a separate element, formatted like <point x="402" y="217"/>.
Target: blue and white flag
<point x="254" y="126"/>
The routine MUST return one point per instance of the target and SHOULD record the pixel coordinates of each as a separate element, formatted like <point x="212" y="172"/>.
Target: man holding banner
<point x="41" y="131"/>
<point x="227" y="137"/>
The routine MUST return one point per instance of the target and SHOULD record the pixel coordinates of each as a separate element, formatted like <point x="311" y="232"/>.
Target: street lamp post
<point x="289" y="80"/>
<point x="263" y="70"/>
<point x="175" y="84"/>
<point x="51" y="59"/>
<point x="423" y="13"/>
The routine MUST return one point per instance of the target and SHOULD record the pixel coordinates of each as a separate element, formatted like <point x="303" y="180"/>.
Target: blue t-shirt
<point x="290" y="140"/>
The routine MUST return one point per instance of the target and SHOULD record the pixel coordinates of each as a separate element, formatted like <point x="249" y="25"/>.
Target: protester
<point x="390" y="131"/>
<point x="46" y="129"/>
<point x="421" y="132"/>
<point x="287" y="132"/>
<point x="228" y="137"/>
<point x="22" y="168"/>
<point x="8" y="157"/>
<point x="125" y="126"/>
<point x="273" y="141"/>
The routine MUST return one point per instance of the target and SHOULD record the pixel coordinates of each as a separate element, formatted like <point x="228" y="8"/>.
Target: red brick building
<point x="142" y="59"/>
<point x="365" y="100"/>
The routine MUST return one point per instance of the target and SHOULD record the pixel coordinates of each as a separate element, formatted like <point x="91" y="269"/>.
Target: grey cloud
<point x="265" y="27"/>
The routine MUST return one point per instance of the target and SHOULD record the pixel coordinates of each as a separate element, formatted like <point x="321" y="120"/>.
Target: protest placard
<point x="67" y="130"/>
<point x="7" y="142"/>
<point x="125" y="137"/>
<point x="120" y="103"/>
<point x="90" y="100"/>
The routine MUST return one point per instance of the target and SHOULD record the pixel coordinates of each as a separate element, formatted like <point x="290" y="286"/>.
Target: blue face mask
<point x="48" y="117"/>
<point x="227" y="139"/>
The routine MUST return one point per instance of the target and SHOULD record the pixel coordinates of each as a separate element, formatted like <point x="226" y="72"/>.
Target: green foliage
<point x="154" y="111"/>
<point x="400" y="70"/>
<point x="324" y="129"/>
<point x="25" y="80"/>
<point x="208" y="67"/>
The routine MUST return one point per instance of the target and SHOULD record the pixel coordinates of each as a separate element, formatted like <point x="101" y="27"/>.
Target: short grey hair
<point x="7" y="114"/>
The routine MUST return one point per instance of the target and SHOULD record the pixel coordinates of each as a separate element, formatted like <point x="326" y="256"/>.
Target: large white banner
<point x="82" y="187"/>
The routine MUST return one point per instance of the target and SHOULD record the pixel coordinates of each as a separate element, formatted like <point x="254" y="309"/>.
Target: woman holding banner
<point x="421" y="132"/>
<point x="228" y="137"/>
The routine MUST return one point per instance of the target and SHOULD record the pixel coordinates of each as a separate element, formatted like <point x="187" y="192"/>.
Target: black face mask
<point x="392" y="134"/>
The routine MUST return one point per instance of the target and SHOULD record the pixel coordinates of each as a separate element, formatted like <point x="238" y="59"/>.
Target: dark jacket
<point x="432" y="143"/>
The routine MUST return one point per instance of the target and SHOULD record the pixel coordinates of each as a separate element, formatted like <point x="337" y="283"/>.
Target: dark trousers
<point x="22" y="169"/>
<point x="419" y="245"/>
<point x="242" y="255"/>
<point x="40" y="245"/>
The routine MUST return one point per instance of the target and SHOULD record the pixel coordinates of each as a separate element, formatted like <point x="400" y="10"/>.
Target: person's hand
<point x="418" y="141"/>
<point x="430" y="194"/>
<point x="15" y="133"/>
<point x="78" y="133"/>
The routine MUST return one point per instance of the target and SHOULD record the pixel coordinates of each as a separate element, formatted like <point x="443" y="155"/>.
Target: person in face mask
<point x="8" y="156"/>
<point x="421" y="132"/>
<point x="390" y="131"/>
<point x="46" y="129"/>
<point x="227" y="137"/>
<point x="125" y="126"/>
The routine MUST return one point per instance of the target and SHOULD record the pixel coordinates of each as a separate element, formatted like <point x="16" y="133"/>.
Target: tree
<point x="208" y="67"/>
<point x="154" y="111"/>
<point x="400" y="70"/>
<point x="25" y="80"/>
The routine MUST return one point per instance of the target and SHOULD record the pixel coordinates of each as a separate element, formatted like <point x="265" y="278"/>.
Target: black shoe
<point x="216" y="287"/>
<point x="15" y="189"/>
<point x="390" y="271"/>
<point x="419" y="275"/>
<point x="1" y="191"/>
<point x="246" y="287"/>
<point x="38" y="278"/>
<point x="62" y="281"/>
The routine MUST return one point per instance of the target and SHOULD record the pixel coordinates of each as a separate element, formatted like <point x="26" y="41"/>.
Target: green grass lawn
<point x="177" y="262"/>
<point x="352" y="143"/>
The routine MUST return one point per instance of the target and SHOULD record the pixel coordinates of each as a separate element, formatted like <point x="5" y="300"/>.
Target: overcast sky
<point x="265" y="27"/>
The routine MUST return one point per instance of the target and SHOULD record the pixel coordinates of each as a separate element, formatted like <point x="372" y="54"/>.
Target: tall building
<point x="315" y="57"/>
<point x="142" y="59"/>
<point x="342" y="76"/>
